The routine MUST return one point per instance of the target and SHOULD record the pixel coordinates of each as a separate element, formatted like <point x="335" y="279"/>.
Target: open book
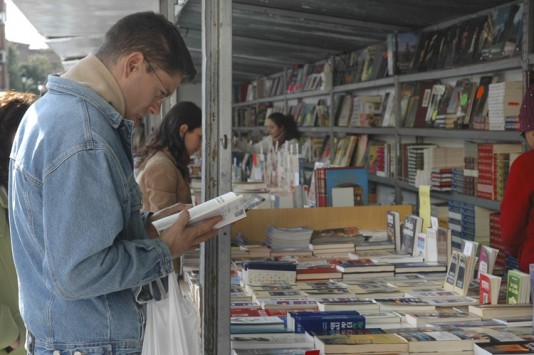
<point x="228" y="205"/>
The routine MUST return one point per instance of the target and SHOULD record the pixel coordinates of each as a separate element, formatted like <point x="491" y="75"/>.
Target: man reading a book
<point x="84" y="252"/>
<point x="517" y="206"/>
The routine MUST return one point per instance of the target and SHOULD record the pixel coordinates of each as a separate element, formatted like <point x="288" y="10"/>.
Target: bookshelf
<point x="504" y="67"/>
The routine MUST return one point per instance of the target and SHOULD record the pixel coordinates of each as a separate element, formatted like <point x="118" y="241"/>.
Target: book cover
<point x="412" y="225"/>
<point x="420" y="247"/>
<point x="352" y="177"/>
<point x="487" y="258"/>
<point x="407" y="43"/>
<point x="489" y="288"/>
<point x="517" y="287"/>
<point x="452" y="271"/>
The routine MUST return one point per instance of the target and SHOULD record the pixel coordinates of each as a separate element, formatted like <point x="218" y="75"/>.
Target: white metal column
<point x="216" y="170"/>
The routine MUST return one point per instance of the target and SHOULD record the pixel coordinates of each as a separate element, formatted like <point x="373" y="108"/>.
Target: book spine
<point x="331" y="325"/>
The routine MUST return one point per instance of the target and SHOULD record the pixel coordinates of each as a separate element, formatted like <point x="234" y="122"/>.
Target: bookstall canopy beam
<point x="332" y="27"/>
<point x="323" y="20"/>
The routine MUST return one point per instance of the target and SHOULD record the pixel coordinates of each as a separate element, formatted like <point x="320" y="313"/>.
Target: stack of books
<point x="278" y="238"/>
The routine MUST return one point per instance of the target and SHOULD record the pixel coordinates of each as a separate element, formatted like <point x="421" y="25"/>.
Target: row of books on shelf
<point x="476" y="169"/>
<point x="488" y="37"/>
<point x="296" y="78"/>
<point x="483" y="105"/>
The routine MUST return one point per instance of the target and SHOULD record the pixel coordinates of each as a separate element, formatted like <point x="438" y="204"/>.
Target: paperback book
<point x="412" y="225"/>
<point x="228" y="205"/>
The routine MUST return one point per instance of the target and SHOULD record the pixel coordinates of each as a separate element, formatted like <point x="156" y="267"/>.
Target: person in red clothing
<point x="517" y="206"/>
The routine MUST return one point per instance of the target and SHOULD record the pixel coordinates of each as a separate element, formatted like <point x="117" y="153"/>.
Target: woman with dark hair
<point x="163" y="165"/>
<point x="281" y="129"/>
<point x="13" y="105"/>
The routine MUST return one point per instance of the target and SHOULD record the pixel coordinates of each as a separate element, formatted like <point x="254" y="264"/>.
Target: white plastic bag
<point x="171" y="327"/>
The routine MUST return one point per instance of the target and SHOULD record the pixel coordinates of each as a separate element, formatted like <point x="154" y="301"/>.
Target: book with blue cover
<point x="350" y="177"/>
<point x="330" y="322"/>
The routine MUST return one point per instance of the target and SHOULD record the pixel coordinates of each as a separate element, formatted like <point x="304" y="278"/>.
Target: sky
<point x="20" y="30"/>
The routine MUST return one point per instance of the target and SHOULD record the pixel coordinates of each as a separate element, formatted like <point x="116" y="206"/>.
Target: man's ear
<point x="133" y="62"/>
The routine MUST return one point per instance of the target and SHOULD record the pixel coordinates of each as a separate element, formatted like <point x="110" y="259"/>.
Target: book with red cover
<point x="320" y="272"/>
<point x="489" y="288"/>
<point x="320" y="187"/>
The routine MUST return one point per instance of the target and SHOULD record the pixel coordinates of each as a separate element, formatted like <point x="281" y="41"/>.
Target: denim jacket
<point x="80" y="246"/>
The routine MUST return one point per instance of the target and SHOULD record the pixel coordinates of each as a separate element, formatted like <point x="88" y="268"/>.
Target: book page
<point x="228" y="205"/>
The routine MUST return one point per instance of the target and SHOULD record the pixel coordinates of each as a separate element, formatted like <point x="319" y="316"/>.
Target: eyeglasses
<point x="165" y="95"/>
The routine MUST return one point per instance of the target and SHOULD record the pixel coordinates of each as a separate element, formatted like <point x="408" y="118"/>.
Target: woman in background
<point x="163" y="165"/>
<point x="281" y="129"/>
<point x="13" y="105"/>
<point x="517" y="206"/>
